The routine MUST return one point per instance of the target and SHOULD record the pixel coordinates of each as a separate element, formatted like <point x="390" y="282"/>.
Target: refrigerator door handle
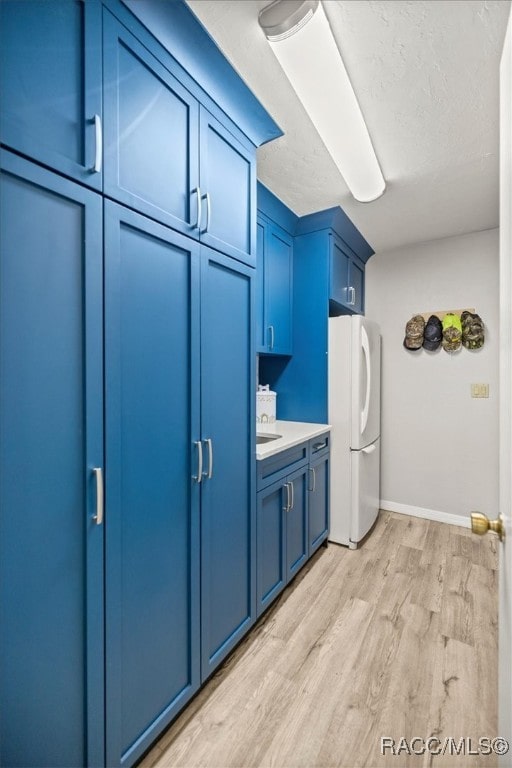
<point x="366" y="351"/>
<point x="370" y="449"/>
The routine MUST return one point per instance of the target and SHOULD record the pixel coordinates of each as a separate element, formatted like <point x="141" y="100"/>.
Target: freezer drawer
<point x="365" y="489"/>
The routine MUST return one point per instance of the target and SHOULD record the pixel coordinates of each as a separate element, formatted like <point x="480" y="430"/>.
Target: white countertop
<point x="292" y="433"/>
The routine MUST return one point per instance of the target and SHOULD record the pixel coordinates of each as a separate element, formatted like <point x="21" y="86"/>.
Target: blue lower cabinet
<point x="318" y="502"/>
<point x="292" y="514"/>
<point x="152" y="522"/>
<point x="271" y="543"/>
<point x="228" y="562"/>
<point x="297" y="521"/>
<point x="51" y="439"/>
<point x="282" y="534"/>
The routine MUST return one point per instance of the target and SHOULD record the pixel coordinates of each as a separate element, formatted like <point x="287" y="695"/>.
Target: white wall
<point x="439" y="445"/>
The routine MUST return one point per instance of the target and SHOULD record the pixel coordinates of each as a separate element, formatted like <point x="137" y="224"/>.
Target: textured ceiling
<point x="426" y="74"/>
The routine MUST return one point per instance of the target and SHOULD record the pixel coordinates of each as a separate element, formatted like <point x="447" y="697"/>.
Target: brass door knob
<point x="480" y="524"/>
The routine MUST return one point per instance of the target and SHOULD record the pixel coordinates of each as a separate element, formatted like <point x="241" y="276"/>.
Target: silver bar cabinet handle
<point x="199" y="475"/>
<point x="197" y="191"/>
<point x="98" y="517"/>
<point x="208" y="212"/>
<point x="99" y="144"/>
<point x="271" y="331"/>
<point x="313" y="489"/>
<point x="352" y="296"/>
<point x="287" y="508"/>
<point x="293" y="496"/>
<point x="209" y="474"/>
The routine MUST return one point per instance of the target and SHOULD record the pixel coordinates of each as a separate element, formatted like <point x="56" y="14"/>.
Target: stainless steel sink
<point x="265" y="438"/>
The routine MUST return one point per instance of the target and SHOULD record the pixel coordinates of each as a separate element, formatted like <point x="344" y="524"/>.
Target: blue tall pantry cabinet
<point x="51" y="440"/>
<point x="152" y="413"/>
<point x="126" y="356"/>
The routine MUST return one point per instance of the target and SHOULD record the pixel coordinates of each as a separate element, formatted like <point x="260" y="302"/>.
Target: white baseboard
<point x="427" y="514"/>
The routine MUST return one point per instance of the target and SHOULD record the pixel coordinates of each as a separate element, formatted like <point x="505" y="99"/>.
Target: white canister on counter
<point x="265" y="405"/>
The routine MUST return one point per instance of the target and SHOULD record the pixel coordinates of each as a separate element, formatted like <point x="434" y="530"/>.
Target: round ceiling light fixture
<point x="283" y="18"/>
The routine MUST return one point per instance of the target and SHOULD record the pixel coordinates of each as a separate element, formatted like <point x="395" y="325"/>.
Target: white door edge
<point x="505" y="410"/>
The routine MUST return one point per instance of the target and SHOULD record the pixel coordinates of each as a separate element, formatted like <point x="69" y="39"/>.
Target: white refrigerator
<point x="354" y="414"/>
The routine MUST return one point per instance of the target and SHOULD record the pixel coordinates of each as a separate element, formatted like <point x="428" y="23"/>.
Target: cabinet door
<point x="50" y="83"/>
<point x="271" y="543"/>
<point x="356" y="283"/>
<point x="261" y="329"/>
<point x="318" y="513"/>
<point x="297" y="522"/>
<point x="278" y="290"/>
<point x="51" y="549"/>
<point x="228" y="185"/>
<point x="228" y="421"/>
<point x="339" y="273"/>
<point x="152" y="534"/>
<point x="151" y="133"/>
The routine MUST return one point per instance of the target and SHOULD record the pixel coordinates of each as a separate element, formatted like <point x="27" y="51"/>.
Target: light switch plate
<point x="479" y="390"/>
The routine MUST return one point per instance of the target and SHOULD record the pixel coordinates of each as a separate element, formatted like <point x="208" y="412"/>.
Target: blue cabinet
<point x="282" y="538"/>
<point x="329" y="255"/>
<point x="346" y="277"/>
<point x="356" y="285"/>
<point x="228" y="422"/>
<point x="275" y="284"/>
<point x="180" y="476"/>
<point x="292" y="514"/>
<point x="151" y="132"/>
<point x="152" y="283"/>
<point x="271" y="543"/>
<point x="228" y="189"/>
<point x="166" y="155"/>
<point x="296" y="521"/>
<point x="318" y="515"/>
<point x="50" y="84"/>
<point x="51" y="439"/>
<point x="126" y="326"/>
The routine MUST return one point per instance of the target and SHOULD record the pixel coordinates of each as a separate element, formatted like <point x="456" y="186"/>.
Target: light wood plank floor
<point x="397" y="639"/>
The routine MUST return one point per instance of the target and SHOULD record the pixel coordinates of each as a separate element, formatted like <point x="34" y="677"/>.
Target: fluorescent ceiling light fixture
<point x="300" y="36"/>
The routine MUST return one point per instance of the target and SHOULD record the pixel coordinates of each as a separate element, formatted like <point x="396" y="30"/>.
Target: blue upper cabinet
<point x="356" y="285"/>
<point x="335" y="238"/>
<point x="346" y="289"/>
<point x="278" y="290"/>
<point x="50" y="84"/>
<point x="339" y="267"/>
<point x="198" y="175"/>
<point x="328" y="278"/>
<point x="228" y="190"/>
<point x="275" y="275"/>
<point x="261" y="331"/>
<point x="151" y="133"/>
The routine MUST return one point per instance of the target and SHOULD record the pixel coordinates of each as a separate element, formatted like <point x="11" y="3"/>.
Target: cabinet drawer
<point x="320" y="445"/>
<point x="275" y="467"/>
